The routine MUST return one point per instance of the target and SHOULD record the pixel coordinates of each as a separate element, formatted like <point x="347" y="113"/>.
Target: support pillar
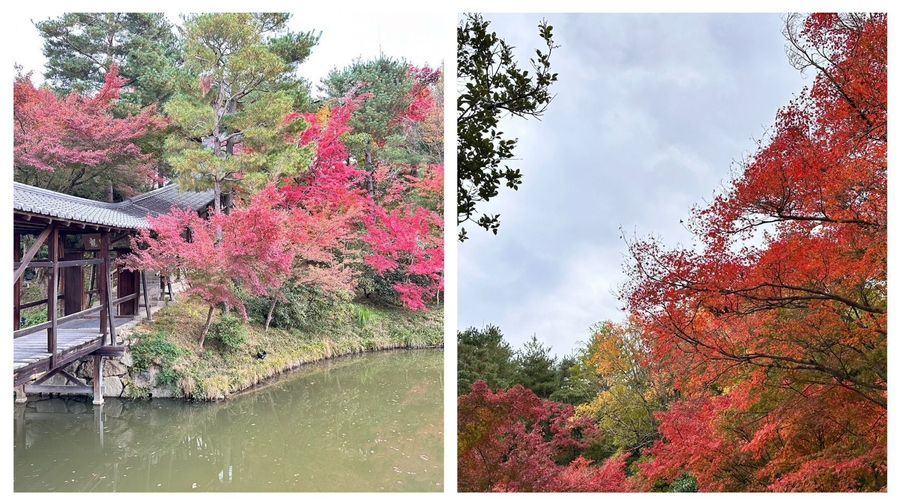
<point x="98" y="380"/>
<point x="53" y="292"/>
<point x="17" y="289"/>
<point x="21" y="398"/>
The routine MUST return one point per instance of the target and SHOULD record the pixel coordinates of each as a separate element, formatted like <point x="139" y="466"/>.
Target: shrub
<point x="155" y="348"/>
<point x="302" y="308"/>
<point x="229" y="331"/>
<point x="685" y="483"/>
<point x="168" y="378"/>
<point x="33" y="317"/>
<point x="363" y="315"/>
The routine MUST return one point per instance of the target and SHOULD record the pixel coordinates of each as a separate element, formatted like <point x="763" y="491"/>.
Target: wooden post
<point x="110" y="309"/>
<point x="17" y="290"/>
<point x="128" y="285"/>
<point x="169" y="288"/>
<point x="104" y="283"/>
<point x="21" y="398"/>
<point x="146" y="294"/>
<point x="53" y="293"/>
<point x="98" y="379"/>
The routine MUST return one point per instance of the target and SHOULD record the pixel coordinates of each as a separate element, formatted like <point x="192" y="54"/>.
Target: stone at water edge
<point x="112" y="386"/>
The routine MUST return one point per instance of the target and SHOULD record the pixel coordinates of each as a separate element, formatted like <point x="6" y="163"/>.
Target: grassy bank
<point x="167" y="360"/>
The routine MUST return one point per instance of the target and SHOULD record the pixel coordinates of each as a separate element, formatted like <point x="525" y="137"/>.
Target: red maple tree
<point x="514" y="441"/>
<point x="250" y="247"/>
<point x="776" y="325"/>
<point x="79" y="139"/>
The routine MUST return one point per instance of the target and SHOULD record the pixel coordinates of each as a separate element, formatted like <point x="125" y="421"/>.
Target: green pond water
<point x="368" y="423"/>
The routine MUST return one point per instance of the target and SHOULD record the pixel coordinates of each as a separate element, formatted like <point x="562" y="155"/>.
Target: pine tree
<point x="536" y="368"/>
<point x="230" y="113"/>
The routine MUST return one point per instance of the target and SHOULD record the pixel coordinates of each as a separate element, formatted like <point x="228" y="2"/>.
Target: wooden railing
<point x="51" y="236"/>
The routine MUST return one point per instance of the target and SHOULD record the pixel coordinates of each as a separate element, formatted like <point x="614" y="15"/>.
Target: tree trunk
<point x="217" y="190"/>
<point x="271" y="311"/>
<point x="370" y="168"/>
<point x="206" y="326"/>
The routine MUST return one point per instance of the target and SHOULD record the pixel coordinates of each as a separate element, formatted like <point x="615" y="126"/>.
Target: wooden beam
<point x="104" y="283"/>
<point x="58" y="389"/>
<point x="39" y="302"/>
<point x="17" y="288"/>
<point x="52" y="294"/>
<point x="32" y="251"/>
<point x="114" y="351"/>
<point x="72" y="379"/>
<point x="44" y="325"/>
<point x="123" y="299"/>
<point x="69" y="263"/>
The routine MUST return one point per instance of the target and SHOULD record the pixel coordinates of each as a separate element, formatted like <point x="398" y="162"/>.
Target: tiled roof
<point x="129" y="214"/>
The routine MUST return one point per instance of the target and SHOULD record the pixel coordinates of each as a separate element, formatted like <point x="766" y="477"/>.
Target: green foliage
<point x="576" y="382"/>
<point x="230" y="331"/>
<point x="629" y="395"/>
<point x="389" y="82"/>
<point x="215" y="374"/>
<point x="482" y="354"/>
<point x="81" y="47"/>
<point x="240" y="87"/>
<point x="168" y="377"/>
<point x="300" y="308"/>
<point x="33" y="316"/>
<point x="493" y="86"/>
<point x="685" y="483"/>
<point x="294" y="48"/>
<point x="536" y="368"/>
<point x="155" y="348"/>
<point x="363" y="314"/>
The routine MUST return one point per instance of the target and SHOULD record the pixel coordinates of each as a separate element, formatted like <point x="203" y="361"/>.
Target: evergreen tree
<point x="82" y="47"/>
<point x="536" y="368"/>
<point x="229" y="114"/>
<point x="484" y="355"/>
<point x="388" y="80"/>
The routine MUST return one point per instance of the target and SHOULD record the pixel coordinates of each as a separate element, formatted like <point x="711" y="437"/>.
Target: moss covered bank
<point x="165" y="360"/>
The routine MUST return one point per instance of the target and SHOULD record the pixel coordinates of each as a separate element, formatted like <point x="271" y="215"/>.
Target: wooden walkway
<point x="75" y="339"/>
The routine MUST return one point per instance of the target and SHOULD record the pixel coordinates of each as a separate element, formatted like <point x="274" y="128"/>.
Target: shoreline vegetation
<point x="166" y="362"/>
<point x="311" y="200"/>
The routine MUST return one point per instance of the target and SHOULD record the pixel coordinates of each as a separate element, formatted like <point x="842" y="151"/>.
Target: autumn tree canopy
<point x="755" y="360"/>
<point x="776" y="327"/>
<point x="75" y="143"/>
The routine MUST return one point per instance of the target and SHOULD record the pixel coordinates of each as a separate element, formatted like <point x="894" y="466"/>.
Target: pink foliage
<point x="77" y="131"/>
<point x="247" y="247"/>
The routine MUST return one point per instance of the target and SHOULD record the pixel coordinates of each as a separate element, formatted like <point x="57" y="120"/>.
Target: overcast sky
<point x="345" y="37"/>
<point x="650" y="115"/>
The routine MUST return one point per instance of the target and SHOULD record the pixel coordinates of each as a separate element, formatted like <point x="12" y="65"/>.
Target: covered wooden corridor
<point x="76" y="245"/>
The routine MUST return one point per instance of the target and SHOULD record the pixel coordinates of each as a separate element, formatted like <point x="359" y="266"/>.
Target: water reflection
<point x="370" y="423"/>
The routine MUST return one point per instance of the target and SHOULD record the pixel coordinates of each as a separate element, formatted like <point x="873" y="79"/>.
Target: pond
<point x="367" y="423"/>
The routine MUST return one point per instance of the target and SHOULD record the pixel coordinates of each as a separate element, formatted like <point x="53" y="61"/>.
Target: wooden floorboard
<point x="31" y="349"/>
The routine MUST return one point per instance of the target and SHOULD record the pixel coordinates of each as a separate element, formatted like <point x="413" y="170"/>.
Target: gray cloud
<point x="651" y="112"/>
